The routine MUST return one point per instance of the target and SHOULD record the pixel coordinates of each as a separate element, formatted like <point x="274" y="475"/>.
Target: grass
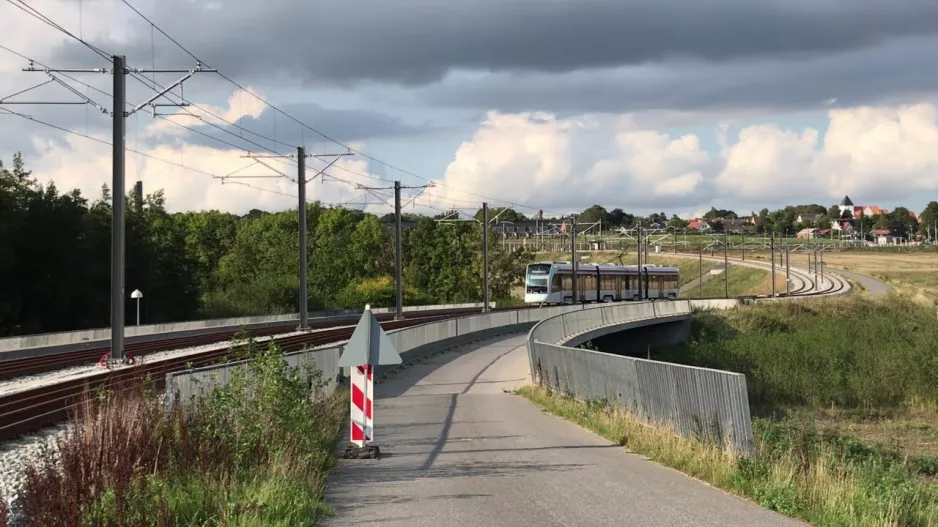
<point x="825" y="479"/>
<point x="845" y="406"/>
<point x="253" y="452"/>
<point x="737" y="282"/>
<point x="913" y="273"/>
<point x="847" y="352"/>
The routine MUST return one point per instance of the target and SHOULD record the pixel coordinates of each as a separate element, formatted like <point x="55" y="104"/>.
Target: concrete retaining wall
<point x="694" y="402"/>
<point x="52" y="343"/>
<point x="183" y="386"/>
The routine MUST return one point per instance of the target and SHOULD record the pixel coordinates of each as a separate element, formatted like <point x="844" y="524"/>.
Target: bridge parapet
<point x="707" y="404"/>
<point x="413" y="343"/>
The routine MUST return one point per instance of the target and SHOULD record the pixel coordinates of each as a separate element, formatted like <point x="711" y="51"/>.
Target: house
<point x="699" y="225"/>
<point x="842" y="226"/>
<point x="734" y="225"/>
<point x="807" y="233"/>
<point x="808" y="218"/>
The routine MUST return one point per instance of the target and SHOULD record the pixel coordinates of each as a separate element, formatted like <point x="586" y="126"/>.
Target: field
<point x="742" y="280"/>
<point x="913" y="273"/>
<point x="845" y="409"/>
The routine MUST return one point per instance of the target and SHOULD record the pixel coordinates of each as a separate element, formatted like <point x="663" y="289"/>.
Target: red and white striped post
<point x="368" y="347"/>
<point x="363" y="390"/>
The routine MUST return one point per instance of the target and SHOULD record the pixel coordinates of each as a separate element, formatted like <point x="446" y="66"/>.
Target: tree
<point x="55" y="259"/>
<point x="504" y="214"/>
<point x="929" y="218"/>
<point x="677" y="222"/>
<point x="715" y="213"/>
<point x="594" y="214"/>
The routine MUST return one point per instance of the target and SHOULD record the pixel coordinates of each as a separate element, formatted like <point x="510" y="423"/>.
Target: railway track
<point x="32" y="409"/>
<point x="10" y="369"/>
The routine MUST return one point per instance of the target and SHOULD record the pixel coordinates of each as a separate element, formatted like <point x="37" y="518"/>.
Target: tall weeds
<point x="851" y="353"/>
<point x="828" y="480"/>
<point x="254" y="451"/>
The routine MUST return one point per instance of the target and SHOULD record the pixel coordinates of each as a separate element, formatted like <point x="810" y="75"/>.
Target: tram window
<point x="566" y="284"/>
<point x="555" y="284"/>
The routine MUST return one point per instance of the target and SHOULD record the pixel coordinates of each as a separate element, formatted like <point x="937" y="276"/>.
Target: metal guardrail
<point x="710" y="405"/>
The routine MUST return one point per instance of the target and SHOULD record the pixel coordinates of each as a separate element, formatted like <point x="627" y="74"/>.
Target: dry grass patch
<point x="823" y="479"/>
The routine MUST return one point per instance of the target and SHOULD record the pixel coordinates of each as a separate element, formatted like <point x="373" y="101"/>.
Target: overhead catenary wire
<point x="314" y="130"/>
<point x="35" y="13"/>
<point x="144" y="154"/>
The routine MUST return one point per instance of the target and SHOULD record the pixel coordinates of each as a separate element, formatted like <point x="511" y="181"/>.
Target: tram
<point x="552" y="282"/>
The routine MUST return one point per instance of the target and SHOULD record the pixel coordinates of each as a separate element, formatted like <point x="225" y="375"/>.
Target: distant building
<point x="808" y="218"/>
<point x="809" y="233"/>
<point x="845" y="205"/>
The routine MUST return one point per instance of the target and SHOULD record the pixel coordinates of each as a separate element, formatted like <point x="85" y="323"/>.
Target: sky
<point x="671" y="106"/>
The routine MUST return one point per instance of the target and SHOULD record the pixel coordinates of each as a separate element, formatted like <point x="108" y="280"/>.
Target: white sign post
<point x="368" y="347"/>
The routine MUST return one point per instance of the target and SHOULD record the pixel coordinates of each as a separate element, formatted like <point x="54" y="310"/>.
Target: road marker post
<point x="368" y="347"/>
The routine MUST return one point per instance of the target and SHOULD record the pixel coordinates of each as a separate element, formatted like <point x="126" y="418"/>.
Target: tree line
<point x="55" y="260"/>
<point x="898" y="221"/>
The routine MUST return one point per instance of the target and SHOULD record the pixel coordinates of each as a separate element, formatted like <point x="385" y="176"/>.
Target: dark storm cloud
<point x="900" y="69"/>
<point x="344" y="126"/>
<point x="416" y="42"/>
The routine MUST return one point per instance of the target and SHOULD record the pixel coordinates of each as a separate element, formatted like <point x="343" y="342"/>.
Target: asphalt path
<point x="460" y="451"/>
<point x="873" y="286"/>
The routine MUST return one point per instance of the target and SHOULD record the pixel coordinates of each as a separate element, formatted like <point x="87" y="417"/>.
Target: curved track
<point x="31" y="409"/>
<point x="804" y="282"/>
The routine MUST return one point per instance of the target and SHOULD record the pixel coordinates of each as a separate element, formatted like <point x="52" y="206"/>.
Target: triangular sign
<point x="369" y="345"/>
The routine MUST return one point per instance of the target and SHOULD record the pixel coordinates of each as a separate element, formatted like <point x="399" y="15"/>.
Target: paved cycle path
<point x="462" y="452"/>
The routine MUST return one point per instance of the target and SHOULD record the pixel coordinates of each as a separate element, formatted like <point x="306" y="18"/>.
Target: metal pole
<point x="399" y="314"/>
<point x="772" y="249"/>
<point x="304" y="285"/>
<point x="485" y="257"/>
<point x="117" y="208"/>
<point x="699" y="270"/>
<point x="638" y="248"/>
<point x="138" y="191"/>
<point x="576" y="298"/>
<point x="743" y="247"/>
<point x="138" y="311"/>
<point x="787" y="270"/>
<point x="726" y="267"/>
<point x="822" y="267"/>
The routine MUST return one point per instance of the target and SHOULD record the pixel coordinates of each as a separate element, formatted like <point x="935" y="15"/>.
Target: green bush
<point x="378" y="292"/>
<point x="252" y="452"/>
<point x="851" y="353"/>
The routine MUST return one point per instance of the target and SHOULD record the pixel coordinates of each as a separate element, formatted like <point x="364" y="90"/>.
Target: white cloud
<point x="886" y="155"/>
<point x="869" y="153"/>
<point x="771" y="164"/>
<point x="538" y="159"/>
<point x="519" y="157"/>
<point x="82" y="164"/>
